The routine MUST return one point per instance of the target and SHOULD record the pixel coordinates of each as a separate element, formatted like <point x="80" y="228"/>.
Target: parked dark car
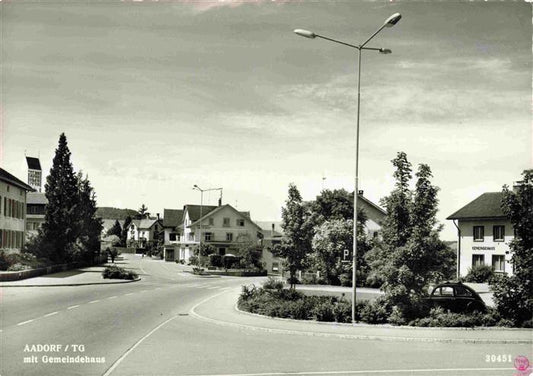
<point x="456" y="297"/>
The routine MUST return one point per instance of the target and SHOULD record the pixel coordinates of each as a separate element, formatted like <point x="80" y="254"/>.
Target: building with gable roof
<point x="223" y="227"/>
<point x="13" y="194"/>
<point x="483" y="235"/>
<point x="144" y="231"/>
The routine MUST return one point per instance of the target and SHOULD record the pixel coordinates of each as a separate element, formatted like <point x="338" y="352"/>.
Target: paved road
<point x="146" y="328"/>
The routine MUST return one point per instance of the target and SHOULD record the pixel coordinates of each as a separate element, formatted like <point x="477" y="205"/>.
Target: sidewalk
<point x="76" y="277"/>
<point x="221" y="310"/>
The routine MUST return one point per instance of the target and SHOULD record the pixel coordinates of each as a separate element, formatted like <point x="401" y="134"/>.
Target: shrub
<point x="324" y="311"/>
<point x="293" y="281"/>
<point x="215" y="260"/>
<point x="273" y="283"/>
<point x="309" y="279"/>
<point x="343" y="311"/>
<point x="479" y="274"/>
<point x="116" y="272"/>
<point x="193" y="260"/>
<point x="346" y="279"/>
<point x="374" y="312"/>
<point x="438" y="317"/>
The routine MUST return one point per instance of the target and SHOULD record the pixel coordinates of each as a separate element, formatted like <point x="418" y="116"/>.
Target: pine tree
<point x="116" y="229"/>
<point x="60" y="227"/>
<point x="125" y="229"/>
<point x="142" y="213"/>
<point x="90" y="227"/>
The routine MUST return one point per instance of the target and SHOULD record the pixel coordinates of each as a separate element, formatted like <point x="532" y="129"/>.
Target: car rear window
<point x="461" y="291"/>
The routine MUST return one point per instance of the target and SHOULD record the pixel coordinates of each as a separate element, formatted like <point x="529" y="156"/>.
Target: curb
<point x="386" y="326"/>
<point x="196" y="315"/>
<point x="78" y="284"/>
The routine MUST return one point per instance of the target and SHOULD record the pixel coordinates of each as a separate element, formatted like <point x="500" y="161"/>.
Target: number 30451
<point x="498" y="358"/>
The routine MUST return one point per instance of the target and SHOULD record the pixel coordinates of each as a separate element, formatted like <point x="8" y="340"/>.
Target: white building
<point x="12" y="211"/>
<point x="484" y="234"/>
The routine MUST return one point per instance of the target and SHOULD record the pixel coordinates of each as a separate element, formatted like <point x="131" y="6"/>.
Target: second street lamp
<point x="389" y="22"/>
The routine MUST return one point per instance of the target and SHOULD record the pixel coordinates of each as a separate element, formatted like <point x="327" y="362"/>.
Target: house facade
<point x="272" y="235"/>
<point x="172" y="219"/>
<point x="35" y="210"/>
<point x="12" y="211"/>
<point x="143" y="231"/>
<point x="222" y="227"/>
<point x="484" y="233"/>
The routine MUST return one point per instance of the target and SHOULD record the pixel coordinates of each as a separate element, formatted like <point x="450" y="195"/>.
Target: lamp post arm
<point x="337" y="41"/>
<point x="373" y="35"/>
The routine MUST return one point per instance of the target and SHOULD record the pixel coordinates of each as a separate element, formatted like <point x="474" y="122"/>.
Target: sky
<point x="156" y="96"/>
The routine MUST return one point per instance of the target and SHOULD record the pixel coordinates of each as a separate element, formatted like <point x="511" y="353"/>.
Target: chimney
<point x="157" y="216"/>
<point x="220" y="201"/>
<point x="360" y="192"/>
<point x="273" y="226"/>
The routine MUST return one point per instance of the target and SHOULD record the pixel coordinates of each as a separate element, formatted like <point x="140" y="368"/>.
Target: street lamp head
<point x="385" y="51"/>
<point x="195" y="187"/>
<point x="393" y="20"/>
<point x="305" y="33"/>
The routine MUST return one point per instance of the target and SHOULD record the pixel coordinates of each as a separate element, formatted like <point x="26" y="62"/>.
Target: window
<point x="461" y="291"/>
<point x="211" y="221"/>
<point x="444" y="291"/>
<point x="172" y="237"/>
<point x="479" y="233"/>
<point x="478" y="260"/>
<point x="8" y="188"/>
<point x="498" y="233"/>
<point x="498" y="263"/>
<point x="5" y="206"/>
<point x="275" y="266"/>
<point x="226" y="222"/>
<point x="240" y="222"/>
<point x="229" y="236"/>
<point x="191" y="235"/>
<point x="222" y="251"/>
<point x="208" y="236"/>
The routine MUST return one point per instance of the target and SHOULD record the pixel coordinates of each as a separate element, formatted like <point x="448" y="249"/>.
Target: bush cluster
<point x="274" y="301"/>
<point x="116" y="272"/>
<point x="479" y="274"/>
<point x="20" y="261"/>
<point x="438" y="317"/>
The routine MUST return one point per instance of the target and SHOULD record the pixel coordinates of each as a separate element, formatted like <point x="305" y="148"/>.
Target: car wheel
<point x="475" y="306"/>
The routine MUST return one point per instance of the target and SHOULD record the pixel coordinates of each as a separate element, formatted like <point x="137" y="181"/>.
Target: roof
<point x="488" y="205"/>
<point x="266" y="228"/>
<point x="36" y="198"/>
<point x="33" y="163"/>
<point x="144" y="223"/>
<point x="107" y="223"/>
<point x="172" y="217"/>
<point x="245" y="215"/>
<point x="194" y="210"/>
<point x="8" y="178"/>
<point x="370" y="203"/>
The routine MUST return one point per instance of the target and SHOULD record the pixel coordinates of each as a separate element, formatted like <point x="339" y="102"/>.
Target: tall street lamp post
<point x="201" y="209"/>
<point x="389" y="22"/>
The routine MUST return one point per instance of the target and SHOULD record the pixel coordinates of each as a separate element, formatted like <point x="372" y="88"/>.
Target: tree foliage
<point x="71" y="231"/>
<point x="514" y="295"/>
<point x="296" y="245"/>
<point x="142" y="213"/>
<point x="116" y="229"/>
<point x="411" y="254"/>
<point x="125" y="229"/>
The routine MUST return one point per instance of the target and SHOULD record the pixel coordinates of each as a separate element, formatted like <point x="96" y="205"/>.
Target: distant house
<point x="35" y="174"/>
<point x="223" y="227"/>
<point x="484" y="234"/>
<point x="172" y="219"/>
<point x="35" y="210"/>
<point x="13" y="193"/>
<point x="143" y="231"/>
<point x="375" y="215"/>
<point x="272" y="235"/>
